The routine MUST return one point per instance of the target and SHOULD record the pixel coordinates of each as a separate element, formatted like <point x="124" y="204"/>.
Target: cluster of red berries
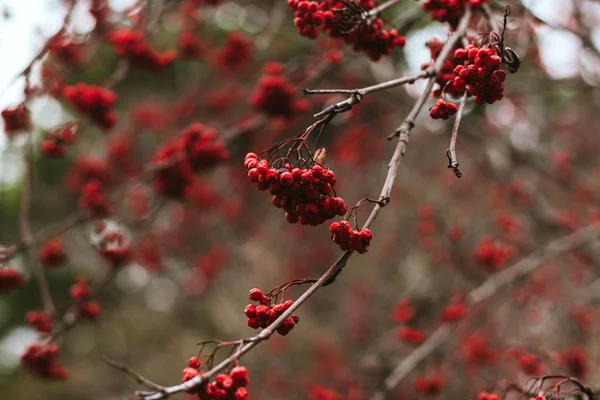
<point x="476" y="351"/>
<point x="265" y="314"/>
<point x="231" y="386"/>
<point x="491" y="254"/>
<point x="197" y="148"/>
<point x="530" y="364"/>
<point x="362" y="34"/>
<point x="349" y="239"/>
<point x="65" y="50"/>
<point x="94" y="101"/>
<point x="404" y="311"/>
<point x="189" y="45"/>
<point x="10" y="280"/>
<point x="575" y="361"/>
<point x="93" y="199"/>
<point x="235" y="54"/>
<point x="487" y="396"/>
<point x="410" y="335"/>
<point x="86" y="168"/>
<point x="56" y="141"/>
<point x="132" y="46"/>
<point x="40" y="320"/>
<point x="443" y="110"/>
<point x="304" y="194"/>
<point x="16" y="119"/>
<point x="40" y="361"/>
<point x="455" y="311"/>
<point x="480" y="73"/>
<point x="275" y="96"/>
<point x="82" y="293"/>
<point x="449" y="10"/>
<point x="51" y="254"/>
<point x="429" y="386"/>
<point x="445" y="79"/>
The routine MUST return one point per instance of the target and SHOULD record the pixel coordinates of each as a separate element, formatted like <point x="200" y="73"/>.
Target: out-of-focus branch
<point x="25" y="228"/>
<point x="491" y="287"/>
<point x="248" y="344"/>
<point x="374" y="12"/>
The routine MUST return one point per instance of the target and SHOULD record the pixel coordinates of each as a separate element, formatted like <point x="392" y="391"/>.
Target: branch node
<point x="453" y="164"/>
<point x="383" y="201"/>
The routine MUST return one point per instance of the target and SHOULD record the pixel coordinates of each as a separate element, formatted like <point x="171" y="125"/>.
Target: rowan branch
<point x="329" y="276"/>
<point x="491" y="287"/>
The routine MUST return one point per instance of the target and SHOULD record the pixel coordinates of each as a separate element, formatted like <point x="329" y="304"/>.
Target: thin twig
<point x="374" y="88"/>
<point x="139" y="378"/>
<point x="356" y="95"/>
<point x="488" y="289"/>
<point x="451" y="152"/>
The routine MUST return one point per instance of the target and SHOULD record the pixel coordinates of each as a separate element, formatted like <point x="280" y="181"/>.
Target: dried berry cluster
<point x="349" y="239"/>
<point x="352" y="25"/>
<point x="40" y="320"/>
<point x="56" y="141"/>
<point x="443" y="109"/>
<point x="94" y="101"/>
<point x="40" y="361"/>
<point x="197" y="148"/>
<point x="265" y="314"/>
<point x="449" y="10"/>
<point x="275" y="96"/>
<point x="238" y="50"/>
<point x="93" y="199"/>
<point x="230" y="386"/>
<point x="52" y="254"/>
<point x="82" y="293"/>
<point x="132" y="46"/>
<point x="492" y="255"/>
<point x="305" y="194"/>
<point x="480" y="73"/>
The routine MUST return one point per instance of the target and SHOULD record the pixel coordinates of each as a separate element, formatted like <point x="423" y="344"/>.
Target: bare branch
<point x="139" y="378"/>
